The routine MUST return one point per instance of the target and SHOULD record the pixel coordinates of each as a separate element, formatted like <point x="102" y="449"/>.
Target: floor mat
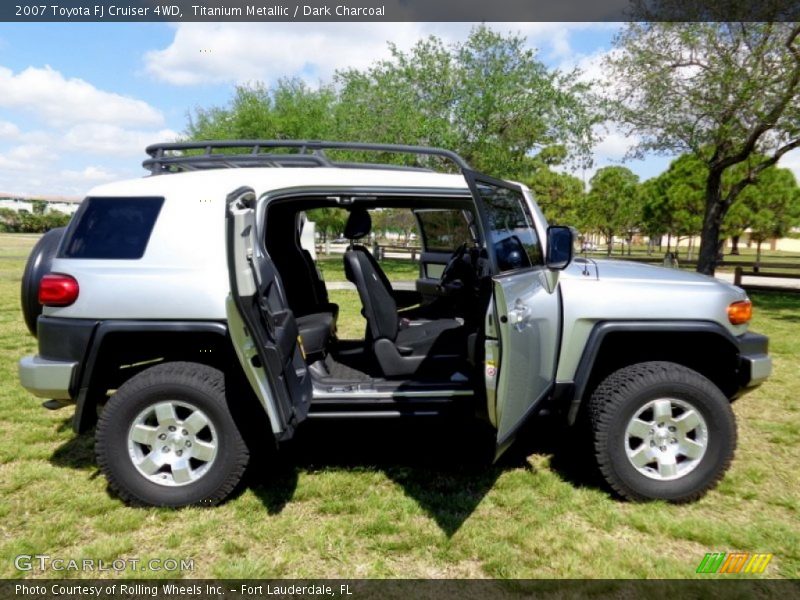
<point x="338" y="370"/>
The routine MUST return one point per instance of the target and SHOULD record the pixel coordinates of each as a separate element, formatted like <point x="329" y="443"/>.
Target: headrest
<point x="359" y="224"/>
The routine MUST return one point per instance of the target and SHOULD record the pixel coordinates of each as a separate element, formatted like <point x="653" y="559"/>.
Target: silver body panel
<point x="614" y="290"/>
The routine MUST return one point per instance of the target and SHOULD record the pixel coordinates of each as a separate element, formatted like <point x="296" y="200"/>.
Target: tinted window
<point x="444" y="230"/>
<point x="511" y="229"/>
<point x="112" y="228"/>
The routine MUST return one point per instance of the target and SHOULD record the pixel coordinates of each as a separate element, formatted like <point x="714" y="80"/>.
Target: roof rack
<point x="171" y="157"/>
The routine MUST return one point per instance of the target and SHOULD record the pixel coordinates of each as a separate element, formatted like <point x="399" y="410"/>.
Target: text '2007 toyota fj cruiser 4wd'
<point x="172" y="301"/>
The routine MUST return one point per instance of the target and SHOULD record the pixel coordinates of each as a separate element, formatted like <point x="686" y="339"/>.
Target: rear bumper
<point x="47" y="378"/>
<point x="54" y="372"/>
<point x="755" y="365"/>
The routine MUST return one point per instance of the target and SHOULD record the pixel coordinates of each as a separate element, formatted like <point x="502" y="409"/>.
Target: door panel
<point x="528" y="326"/>
<point x="262" y="326"/>
<point x="524" y="325"/>
<point x="431" y="267"/>
<point x="442" y="232"/>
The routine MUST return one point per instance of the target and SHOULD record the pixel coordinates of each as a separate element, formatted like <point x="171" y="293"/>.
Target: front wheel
<point x="661" y="431"/>
<point x="167" y="438"/>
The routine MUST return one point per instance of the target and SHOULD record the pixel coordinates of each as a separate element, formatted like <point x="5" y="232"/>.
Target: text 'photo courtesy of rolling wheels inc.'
<point x="399" y="299"/>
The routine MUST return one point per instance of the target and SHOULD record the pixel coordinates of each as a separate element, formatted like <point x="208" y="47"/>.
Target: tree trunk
<point x="758" y="257"/>
<point x="669" y="241"/>
<point x="712" y="223"/>
<point x="609" y="244"/>
<point x="735" y="245"/>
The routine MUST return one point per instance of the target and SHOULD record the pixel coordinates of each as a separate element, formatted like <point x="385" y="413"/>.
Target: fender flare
<point x="86" y="394"/>
<point x="601" y="329"/>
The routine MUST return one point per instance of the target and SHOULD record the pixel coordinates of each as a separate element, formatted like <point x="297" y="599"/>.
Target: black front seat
<point x="400" y="347"/>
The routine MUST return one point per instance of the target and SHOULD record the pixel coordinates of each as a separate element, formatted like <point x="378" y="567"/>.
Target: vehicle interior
<point x="416" y="341"/>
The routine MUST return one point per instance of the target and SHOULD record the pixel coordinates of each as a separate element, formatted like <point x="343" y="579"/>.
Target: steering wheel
<point x="451" y="269"/>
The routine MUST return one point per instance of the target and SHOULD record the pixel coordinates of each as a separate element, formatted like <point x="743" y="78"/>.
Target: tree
<point x="774" y="206"/>
<point x="727" y="92"/>
<point x="290" y="110"/>
<point x="488" y="98"/>
<point x="559" y="195"/>
<point x="673" y="201"/>
<point x="400" y="221"/>
<point x="613" y="204"/>
<point x="329" y="221"/>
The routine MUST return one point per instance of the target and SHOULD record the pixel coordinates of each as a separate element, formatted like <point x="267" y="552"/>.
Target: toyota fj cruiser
<point x="173" y="301"/>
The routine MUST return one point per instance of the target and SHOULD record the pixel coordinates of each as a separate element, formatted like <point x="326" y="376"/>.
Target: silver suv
<point x="181" y="315"/>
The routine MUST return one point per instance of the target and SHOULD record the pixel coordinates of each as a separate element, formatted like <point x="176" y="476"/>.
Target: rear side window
<point x="114" y="228"/>
<point x="444" y="230"/>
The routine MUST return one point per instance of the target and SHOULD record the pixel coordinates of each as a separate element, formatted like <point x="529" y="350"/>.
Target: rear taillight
<point x="56" y="289"/>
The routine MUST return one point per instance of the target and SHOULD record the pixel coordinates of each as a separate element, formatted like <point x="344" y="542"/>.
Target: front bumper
<point x="47" y="378"/>
<point x="755" y="365"/>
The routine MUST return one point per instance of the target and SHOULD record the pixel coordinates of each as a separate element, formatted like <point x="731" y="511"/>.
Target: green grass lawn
<point x="375" y="500"/>
<point x="332" y="268"/>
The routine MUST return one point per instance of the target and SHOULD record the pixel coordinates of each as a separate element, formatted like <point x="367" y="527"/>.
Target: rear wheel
<point x="661" y="431"/>
<point x="167" y="438"/>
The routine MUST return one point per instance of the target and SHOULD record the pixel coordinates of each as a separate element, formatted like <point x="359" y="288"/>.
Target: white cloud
<point x="102" y="139"/>
<point x="73" y="132"/>
<point x="239" y="52"/>
<point x="208" y="53"/>
<point x="8" y="131"/>
<point x="791" y="160"/>
<point x="89" y="175"/>
<point x="60" y="101"/>
<point x="614" y="145"/>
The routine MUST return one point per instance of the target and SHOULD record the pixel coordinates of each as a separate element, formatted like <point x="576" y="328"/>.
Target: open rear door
<point x="523" y="325"/>
<point x="261" y="325"/>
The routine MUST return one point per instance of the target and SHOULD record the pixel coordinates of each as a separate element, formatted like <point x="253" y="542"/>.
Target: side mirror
<point x="559" y="247"/>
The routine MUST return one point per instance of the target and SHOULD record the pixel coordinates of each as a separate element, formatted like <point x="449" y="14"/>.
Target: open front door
<point x="261" y="325"/>
<point x="523" y="324"/>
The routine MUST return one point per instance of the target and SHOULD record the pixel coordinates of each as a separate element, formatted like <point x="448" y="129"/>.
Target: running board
<point x="372" y="394"/>
<point x="372" y="414"/>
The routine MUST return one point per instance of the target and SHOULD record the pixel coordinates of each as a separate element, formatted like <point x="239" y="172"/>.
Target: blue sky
<point x="79" y="101"/>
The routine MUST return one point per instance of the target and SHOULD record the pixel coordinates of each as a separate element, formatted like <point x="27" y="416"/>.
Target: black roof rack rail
<point x="170" y="157"/>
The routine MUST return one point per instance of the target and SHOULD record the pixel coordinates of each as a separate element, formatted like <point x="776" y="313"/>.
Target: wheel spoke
<point x="691" y="449"/>
<point x="639" y="429"/>
<point x="170" y="445"/>
<point x="181" y="472"/>
<point x="688" y="421"/>
<point x="641" y="456"/>
<point x="662" y="410"/>
<point x="196" y="422"/>
<point x="203" y="451"/>
<point x="144" y="434"/>
<point x="667" y="466"/>
<point x="165" y="413"/>
<point x="151" y="463"/>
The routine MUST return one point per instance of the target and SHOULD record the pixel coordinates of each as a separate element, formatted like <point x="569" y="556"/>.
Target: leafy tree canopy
<point x="726" y="92"/>
<point x="488" y="98"/>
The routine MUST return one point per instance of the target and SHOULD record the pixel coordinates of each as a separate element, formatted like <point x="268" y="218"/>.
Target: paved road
<point x="769" y="282"/>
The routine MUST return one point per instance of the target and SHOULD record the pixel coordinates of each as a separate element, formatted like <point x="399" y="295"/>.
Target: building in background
<point x="63" y="204"/>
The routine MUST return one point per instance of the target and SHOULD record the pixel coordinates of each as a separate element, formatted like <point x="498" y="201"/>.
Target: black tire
<point x="38" y="265"/>
<point x="192" y="384"/>
<point x="623" y="394"/>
